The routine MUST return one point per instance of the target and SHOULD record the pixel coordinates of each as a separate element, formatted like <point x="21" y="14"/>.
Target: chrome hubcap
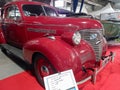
<point x="44" y="70"/>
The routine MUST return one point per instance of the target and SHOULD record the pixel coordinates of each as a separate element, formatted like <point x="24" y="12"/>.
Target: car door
<point x="13" y="26"/>
<point x="34" y="17"/>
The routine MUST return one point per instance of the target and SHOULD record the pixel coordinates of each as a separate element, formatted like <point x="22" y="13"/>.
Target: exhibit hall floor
<point x="16" y="75"/>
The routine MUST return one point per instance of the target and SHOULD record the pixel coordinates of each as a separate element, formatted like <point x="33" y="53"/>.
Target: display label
<point x="61" y="81"/>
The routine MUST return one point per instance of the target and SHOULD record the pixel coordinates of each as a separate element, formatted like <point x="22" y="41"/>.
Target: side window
<point x="32" y="10"/>
<point x="50" y="11"/>
<point x="12" y="13"/>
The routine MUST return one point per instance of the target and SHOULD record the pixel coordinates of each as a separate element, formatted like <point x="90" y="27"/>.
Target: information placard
<point x="61" y="81"/>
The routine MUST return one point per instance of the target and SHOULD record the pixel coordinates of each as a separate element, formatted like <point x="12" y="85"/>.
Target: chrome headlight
<point x="76" y="38"/>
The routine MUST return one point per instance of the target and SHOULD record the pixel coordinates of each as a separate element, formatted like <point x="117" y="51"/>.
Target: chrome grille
<point x="89" y="36"/>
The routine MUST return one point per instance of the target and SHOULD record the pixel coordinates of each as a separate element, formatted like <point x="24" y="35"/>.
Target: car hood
<point x="65" y="24"/>
<point x="80" y="23"/>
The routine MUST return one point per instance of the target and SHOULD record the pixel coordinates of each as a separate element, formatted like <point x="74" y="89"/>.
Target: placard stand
<point x="61" y="81"/>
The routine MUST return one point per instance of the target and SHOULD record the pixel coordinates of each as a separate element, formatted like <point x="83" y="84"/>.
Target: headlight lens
<point x="76" y="38"/>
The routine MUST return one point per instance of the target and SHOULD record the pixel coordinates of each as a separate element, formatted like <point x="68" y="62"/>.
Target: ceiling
<point x="102" y="2"/>
<point x="2" y="2"/>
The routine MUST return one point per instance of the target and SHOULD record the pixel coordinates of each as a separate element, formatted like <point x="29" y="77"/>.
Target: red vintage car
<point x="34" y="32"/>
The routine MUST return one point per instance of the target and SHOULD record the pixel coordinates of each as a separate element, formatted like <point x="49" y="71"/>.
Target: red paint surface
<point x="107" y="79"/>
<point x="28" y="32"/>
<point x="45" y="25"/>
<point x="22" y="81"/>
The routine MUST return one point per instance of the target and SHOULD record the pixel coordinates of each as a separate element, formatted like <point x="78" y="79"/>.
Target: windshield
<point x="38" y="10"/>
<point x="50" y="12"/>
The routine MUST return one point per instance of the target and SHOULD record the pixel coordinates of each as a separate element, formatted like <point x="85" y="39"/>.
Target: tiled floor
<point x="8" y="66"/>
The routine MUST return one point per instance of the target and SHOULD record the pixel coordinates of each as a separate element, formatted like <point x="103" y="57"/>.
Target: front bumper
<point x="103" y="63"/>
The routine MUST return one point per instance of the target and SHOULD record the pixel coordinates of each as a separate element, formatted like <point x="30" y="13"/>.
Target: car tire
<point x="42" y="68"/>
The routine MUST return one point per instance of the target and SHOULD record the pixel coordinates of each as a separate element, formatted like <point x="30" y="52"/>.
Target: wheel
<point x="42" y="68"/>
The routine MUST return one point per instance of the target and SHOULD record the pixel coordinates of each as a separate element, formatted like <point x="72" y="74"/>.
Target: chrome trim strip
<point x="40" y="30"/>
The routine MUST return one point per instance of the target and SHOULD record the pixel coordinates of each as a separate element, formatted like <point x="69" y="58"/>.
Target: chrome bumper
<point x="103" y="63"/>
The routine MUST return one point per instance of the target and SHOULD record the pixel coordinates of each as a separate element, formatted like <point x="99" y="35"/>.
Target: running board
<point x="17" y="52"/>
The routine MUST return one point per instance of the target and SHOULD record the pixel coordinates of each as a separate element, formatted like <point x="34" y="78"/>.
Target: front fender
<point x="62" y="55"/>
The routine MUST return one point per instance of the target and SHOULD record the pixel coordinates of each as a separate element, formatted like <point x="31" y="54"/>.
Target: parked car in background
<point x="34" y="32"/>
<point x="112" y="29"/>
<point x="111" y="23"/>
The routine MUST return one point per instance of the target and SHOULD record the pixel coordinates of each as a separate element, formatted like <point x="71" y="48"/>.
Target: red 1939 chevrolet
<point x="34" y="32"/>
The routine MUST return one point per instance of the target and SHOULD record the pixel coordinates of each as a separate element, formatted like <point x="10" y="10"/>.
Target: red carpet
<point x="23" y="81"/>
<point x="107" y="79"/>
